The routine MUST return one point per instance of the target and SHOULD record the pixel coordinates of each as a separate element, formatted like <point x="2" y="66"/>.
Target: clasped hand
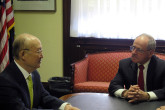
<point x="70" y="107"/>
<point x="134" y="93"/>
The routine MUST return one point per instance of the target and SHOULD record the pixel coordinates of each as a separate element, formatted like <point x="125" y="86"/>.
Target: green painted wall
<point x="48" y="27"/>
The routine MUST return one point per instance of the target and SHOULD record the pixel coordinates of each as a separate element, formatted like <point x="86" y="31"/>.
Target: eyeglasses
<point x="138" y="50"/>
<point x="38" y="51"/>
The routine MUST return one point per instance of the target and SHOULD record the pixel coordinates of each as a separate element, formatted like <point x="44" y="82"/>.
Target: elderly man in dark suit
<point x="144" y="83"/>
<point x="17" y="90"/>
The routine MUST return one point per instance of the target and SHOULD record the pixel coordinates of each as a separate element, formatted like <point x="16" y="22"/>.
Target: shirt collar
<point x="24" y="72"/>
<point x="145" y="64"/>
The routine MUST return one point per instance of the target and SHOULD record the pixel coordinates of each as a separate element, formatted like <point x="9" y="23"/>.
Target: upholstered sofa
<point x="95" y="72"/>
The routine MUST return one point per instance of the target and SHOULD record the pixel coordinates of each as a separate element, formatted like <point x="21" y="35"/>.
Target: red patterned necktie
<point x="140" y="78"/>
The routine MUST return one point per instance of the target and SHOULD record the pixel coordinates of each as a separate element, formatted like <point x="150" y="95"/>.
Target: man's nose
<point x="41" y="55"/>
<point x="134" y="51"/>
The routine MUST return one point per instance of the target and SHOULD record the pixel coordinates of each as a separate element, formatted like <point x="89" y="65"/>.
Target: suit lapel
<point x="133" y="71"/>
<point x="150" y="72"/>
<point x="36" y="88"/>
<point x="21" y="83"/>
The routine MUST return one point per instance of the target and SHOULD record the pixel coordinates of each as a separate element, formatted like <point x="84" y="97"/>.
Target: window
<point x="123" y="19"/>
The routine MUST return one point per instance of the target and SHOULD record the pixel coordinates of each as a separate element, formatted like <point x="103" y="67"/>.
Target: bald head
<point x="23" y="41"/>
<point x="150" y="41"/>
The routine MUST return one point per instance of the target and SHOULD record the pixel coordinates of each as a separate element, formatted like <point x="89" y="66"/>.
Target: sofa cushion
<point x="91" y="86"/>
<point x="104" y="66"/>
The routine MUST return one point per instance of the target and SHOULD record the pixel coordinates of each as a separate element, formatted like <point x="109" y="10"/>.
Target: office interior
<point x="59" y="49"/>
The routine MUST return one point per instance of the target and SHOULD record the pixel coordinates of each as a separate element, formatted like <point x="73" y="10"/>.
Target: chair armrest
<point x="79" y="71"/>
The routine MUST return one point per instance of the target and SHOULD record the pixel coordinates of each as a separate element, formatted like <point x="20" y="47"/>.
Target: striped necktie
<point x="30" y="86"/>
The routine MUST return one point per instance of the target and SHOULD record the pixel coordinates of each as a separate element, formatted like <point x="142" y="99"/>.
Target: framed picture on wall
<point x="34" y="5"/>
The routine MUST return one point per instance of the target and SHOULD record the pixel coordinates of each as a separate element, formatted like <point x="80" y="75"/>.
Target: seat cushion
<point x="91" y="86"/>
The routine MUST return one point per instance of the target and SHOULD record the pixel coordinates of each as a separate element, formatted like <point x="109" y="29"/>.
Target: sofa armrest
<point x="79" y="71"/>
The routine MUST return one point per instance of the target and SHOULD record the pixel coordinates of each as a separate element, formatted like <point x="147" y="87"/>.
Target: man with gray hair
<point x="141" y="77"/>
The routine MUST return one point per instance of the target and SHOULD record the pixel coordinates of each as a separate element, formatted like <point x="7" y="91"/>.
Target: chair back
<point x="104" y="66"/>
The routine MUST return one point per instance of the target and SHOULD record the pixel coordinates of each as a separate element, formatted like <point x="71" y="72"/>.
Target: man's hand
<point x="161" y="108"/>
<point x="70" y="107"/>
<point x="131" y="92"/>
<point x="139" y="96"/>
<point x="135" y="94"/>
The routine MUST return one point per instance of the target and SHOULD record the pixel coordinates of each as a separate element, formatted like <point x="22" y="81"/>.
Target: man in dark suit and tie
<point x="20" y="86"/>
<point x="141" y="77"/>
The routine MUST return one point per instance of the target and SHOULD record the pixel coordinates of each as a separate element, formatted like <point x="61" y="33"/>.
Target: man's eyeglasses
<point x="138" y="50"/>
<point x="38" y="51"/>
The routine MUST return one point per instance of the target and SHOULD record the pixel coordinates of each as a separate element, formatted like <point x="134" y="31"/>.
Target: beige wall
<point x="47" y="26"/>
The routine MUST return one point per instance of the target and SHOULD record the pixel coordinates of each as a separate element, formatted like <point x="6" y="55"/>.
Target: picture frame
<point x="34" y="5"/>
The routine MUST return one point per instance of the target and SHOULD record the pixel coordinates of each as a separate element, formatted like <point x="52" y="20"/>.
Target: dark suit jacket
<point x="127" y="75"/>
<point x="14" y="93"/>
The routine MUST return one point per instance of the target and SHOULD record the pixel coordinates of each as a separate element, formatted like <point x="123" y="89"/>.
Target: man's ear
<point x="22" y="54"/>
<point x="151" y="52"/>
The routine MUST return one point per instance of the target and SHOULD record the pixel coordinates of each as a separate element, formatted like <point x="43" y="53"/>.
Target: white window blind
<point x="123" y="19"/>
